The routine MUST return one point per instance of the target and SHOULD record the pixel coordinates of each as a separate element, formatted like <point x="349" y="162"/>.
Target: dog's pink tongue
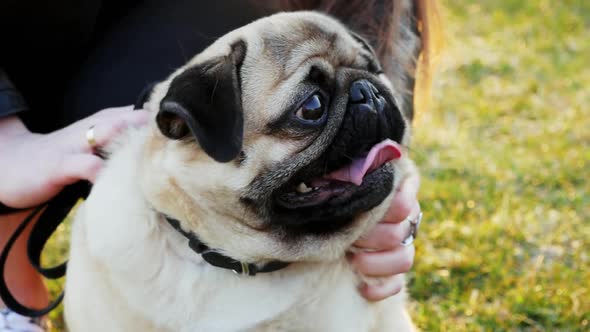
<point x="380" y="154"/>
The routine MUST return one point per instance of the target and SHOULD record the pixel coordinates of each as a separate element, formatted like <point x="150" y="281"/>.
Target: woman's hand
<point x="35" y="167"/>
<point x="388" y="258"/>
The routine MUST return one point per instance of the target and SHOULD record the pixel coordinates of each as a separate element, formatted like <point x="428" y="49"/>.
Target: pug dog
<point x="270" y="153"/>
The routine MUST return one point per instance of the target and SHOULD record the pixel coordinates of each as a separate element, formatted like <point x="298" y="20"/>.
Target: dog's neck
<point x="215" y="258"/>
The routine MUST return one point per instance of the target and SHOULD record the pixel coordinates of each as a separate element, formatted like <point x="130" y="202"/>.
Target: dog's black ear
<point x="205" y="101"/>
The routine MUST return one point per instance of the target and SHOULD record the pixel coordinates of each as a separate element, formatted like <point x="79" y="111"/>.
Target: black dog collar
<point x="216" y="259"/>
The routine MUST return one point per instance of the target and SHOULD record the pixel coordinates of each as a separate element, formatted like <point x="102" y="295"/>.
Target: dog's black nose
<point x="365" y="96"/>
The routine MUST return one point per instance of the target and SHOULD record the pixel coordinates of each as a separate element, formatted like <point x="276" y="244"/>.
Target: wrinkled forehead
<point x="290" y="41"/>
<point x="282" y="48"/>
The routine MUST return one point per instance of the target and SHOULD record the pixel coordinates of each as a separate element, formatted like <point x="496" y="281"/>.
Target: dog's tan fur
<point x="129" y="271"/>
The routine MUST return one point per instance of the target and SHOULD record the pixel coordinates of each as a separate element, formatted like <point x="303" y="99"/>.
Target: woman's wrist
<point x="11" y="127"/>
<point x="13" y="133"/>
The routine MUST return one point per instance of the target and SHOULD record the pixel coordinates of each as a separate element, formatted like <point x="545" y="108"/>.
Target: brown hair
<point x="404" y="33"/>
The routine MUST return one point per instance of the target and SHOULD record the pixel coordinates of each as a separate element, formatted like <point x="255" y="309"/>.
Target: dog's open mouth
<point x="344" y="184"/>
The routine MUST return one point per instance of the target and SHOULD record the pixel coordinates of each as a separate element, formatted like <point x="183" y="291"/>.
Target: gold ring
<point x="90" y="138"/>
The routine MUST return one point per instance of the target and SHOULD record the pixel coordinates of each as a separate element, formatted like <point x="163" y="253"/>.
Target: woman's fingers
<point x="106" y="125"/>
<point x="103" y="133"/>
<point x="110" y="127"/>
<point x="388" y="259"/>
<point x="388" y="235"/>
<point x="131" y="117"/>
<point x="385" y="236"/>
<point x="384" y="263"/>
<point x="388" y="287"/>
<point x="79" y="162"/>
<point x="404" y="200"/>
<point x="79" y="167"/>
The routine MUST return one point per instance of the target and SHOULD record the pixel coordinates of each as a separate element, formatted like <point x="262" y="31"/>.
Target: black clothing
<point x="11" y="101"/>
<point x="71" y="58"/>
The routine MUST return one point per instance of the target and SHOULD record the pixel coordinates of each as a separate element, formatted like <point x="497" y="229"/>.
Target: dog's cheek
<point x="403" y="168"/>
<point x="386" y="81"/>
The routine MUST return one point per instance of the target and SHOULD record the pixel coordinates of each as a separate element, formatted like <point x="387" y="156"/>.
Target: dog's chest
<point x="318" y="300"/>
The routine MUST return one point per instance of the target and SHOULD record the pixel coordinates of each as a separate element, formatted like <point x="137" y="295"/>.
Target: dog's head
<point x="279" y="141"/>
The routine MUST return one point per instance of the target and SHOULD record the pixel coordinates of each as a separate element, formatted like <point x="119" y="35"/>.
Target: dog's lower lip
<point x="322" y="192"/>
<point x="317" y="195"/>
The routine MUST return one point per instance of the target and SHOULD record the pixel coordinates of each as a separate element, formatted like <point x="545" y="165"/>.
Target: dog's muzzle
<point x="352" y="174"/>
<point x="369" y="119"/>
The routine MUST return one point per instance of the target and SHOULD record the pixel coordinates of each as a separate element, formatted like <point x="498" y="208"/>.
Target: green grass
<point x="505" y="155"/>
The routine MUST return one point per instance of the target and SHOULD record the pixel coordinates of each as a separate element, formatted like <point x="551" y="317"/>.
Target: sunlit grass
<point x="505" y="157"/>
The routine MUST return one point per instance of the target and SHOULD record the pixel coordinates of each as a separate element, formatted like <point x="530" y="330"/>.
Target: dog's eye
<point x="312" y="109"/>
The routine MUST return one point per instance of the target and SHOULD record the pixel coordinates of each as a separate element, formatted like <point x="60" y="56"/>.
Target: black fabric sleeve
<point x="11" y="101"/>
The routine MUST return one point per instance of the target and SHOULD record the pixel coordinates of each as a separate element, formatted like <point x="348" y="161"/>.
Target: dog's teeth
<point x="303" y="188"/>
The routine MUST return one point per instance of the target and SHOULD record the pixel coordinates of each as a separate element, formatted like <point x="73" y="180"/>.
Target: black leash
<point x="54" y="213"/>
